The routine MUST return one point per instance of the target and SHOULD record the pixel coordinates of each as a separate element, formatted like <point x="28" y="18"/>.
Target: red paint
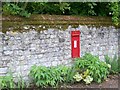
<point x="75" y="44"/>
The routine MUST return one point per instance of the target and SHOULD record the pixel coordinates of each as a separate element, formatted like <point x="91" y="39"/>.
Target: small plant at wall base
<point x="83" y="76"/>
<point x="114" y="64"/>
<point x="6" y="82"/>
<point x="48" y="76"/>
<point x="87" y="69"/>
<point x="20" y="84"/>
<point x="93" y="67"/>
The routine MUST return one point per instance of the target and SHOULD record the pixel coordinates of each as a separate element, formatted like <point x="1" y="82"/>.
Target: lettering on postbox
<point x="75" y="44"/>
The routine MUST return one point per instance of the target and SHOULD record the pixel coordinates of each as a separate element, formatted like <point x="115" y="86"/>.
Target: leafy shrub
<point x="115" y="12"/>
<point x="114" y="62"/>
<point x="13" y="9"/>
<point x="21" y="83"/>
<point x="48" y="76"/>
<point x="71" y="72"/>
<point x="6" y="82"/>
<point x="87" y="69"/>
<point x="98" y="70"/>
<point x="64" y="8"/>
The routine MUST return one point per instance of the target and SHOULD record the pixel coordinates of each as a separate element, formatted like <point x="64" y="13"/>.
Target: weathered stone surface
<point x="8" y="52"/>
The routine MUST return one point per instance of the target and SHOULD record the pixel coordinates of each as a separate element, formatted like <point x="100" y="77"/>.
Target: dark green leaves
<point x="53" y="76"/>
<point x="98" y="69"/>
<point x="6" y="82"/>
<point x="48" y="76"/>
<point x="14" y="9"/>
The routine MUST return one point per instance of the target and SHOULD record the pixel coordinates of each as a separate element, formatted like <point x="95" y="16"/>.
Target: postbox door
<point x="75" y="45"/>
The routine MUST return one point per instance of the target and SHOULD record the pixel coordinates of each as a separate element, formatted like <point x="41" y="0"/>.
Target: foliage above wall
<point x="64" y="8"/>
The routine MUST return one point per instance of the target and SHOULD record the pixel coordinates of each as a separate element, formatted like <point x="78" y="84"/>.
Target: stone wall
<point x="20" y="50"/>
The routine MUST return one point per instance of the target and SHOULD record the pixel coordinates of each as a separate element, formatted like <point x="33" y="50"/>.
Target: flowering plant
<point x="77" y="77"/>
<point x="83" y="76"/>
<point x="90" y="65"/>
<point x="88" y="79"/>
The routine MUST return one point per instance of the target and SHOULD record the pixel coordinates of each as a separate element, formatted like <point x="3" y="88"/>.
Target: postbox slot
<point x="75" y="35"/>
<point x="75" y="44"/>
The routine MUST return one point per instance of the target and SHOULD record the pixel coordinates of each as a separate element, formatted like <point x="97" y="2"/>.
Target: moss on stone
<point x="16" y="23"/>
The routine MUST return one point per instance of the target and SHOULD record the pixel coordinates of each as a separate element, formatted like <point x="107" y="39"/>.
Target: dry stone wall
<point x="52" y="47"/>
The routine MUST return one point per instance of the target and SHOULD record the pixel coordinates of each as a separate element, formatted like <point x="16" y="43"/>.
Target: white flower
<point x="110" y="13"/>
<point x="88" y="79"/>
<point x="109" y="65"/>
<point x="77" y="77"/>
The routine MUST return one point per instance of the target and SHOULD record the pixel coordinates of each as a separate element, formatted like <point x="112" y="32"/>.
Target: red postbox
<point x="75" y="44"/>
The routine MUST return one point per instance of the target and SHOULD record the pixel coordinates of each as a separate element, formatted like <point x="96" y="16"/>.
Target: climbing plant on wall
<point x="115" y="12"/>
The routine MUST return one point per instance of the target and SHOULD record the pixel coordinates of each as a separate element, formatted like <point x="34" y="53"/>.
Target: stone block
<point x="8" y="52"/>
<point x="54" y="63"/>
<point x="3" y="70"/>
